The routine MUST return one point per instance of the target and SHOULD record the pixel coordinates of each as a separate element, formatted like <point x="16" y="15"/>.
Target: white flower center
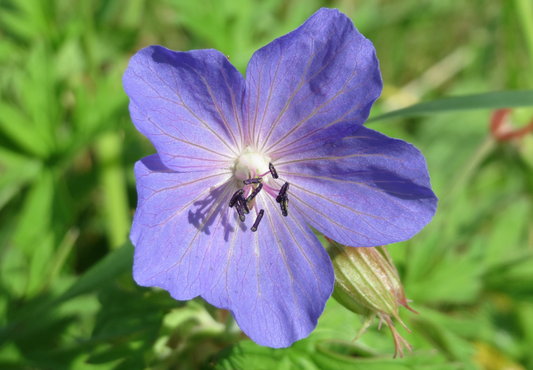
<point x="251" y="164"/>
<point x="252" y="171"/>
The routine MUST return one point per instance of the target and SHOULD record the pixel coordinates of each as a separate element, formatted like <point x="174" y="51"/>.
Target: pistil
<point x="244" y="199"/>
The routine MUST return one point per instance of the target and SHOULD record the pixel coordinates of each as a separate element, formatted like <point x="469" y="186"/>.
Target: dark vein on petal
<point x="200" y="228"/>
<point x="196" y="181"/>
<point x="385" y="194"/>
<point x="279" y="164"/>
<point x="269" y="96"/>
<point x="313" y="113"/>
<point x="269" y="217"/>
<point x="257" y="99"/>
<point x="182" y="102"/>
<point x="300" y="85"/>
<point x="185" y="141"/>
<point x="295" y="204"/>
<point x="359" y="214"/>
<point x="234" y="104"/>
<point x="311" y="264"/>
<point x="228" y="128"/>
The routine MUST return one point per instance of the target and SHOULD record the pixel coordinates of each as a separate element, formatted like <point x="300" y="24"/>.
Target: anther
<point x="235" y="197"/>
<point x="258" y="220"/>
<point x="243" y="204"/>
<point x="240" y="211"/>
<point x="256" y="180"/>
<point x="282" y="192"/>
<point x="273" y="171"/>
<point x="254" y="193"/>
<point x="285" y="206"/>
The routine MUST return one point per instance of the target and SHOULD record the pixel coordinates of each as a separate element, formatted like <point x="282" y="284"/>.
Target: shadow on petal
<point x="202" y="216"/>
<point x="398" y="186"/>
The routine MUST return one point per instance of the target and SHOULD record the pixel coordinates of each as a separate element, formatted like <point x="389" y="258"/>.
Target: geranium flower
<point x="287" y="144"/>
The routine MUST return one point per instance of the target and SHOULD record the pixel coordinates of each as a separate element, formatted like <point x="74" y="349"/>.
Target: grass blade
<point x="491" y="100"/>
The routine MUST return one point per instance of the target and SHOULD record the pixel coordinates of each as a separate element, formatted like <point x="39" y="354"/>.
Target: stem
<point x="524" y="9"/>
<point x="468" y="171"/>
<point x="116" y="209"/>
<point x="61" y="256"/>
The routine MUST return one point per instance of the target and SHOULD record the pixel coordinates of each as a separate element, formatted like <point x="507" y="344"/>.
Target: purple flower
<point x="297" y="120"/>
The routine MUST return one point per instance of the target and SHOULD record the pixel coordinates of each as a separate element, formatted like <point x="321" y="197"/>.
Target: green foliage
<point x="494" y="100"/>
<point x="67" y="192"/>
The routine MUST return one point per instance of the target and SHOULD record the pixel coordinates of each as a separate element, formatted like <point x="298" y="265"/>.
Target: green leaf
<point x="448" y="343"/>
<point x="505" y="236"/>
<point x="105" y="271"/>
<point x="126" y="326"/>
<point x="35" y="215"/>
<point x="109" y="268"/>
<point x="513" y="278"/>
<point x="491" y="100"/>
<point x="455" y="279"/>
<point x="329" y="360"/>
<point x="15" y="171"/>
<point x="19" y="129"/>
<point x="324" y="355"/>
<point x="248" y="355"/>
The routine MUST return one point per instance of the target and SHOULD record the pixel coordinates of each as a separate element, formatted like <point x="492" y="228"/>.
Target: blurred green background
<point x="67" y="190"/>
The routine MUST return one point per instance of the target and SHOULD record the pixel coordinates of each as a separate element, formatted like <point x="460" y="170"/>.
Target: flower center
<point x="251" y="164"/>
<point x="252" y="170"/>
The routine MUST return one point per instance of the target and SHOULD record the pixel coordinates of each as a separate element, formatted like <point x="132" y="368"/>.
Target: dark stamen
<point x="282" y="192"/>
<point x="258" y="220"/>
<point x="235" y="197"/>
<point x="273" y="171"/>
<point x="240" y="211"/>
<point x="256" y="180"/>
<point x="242" y="202"/>
<point x="254" y="193"/>
<point x="285" y="206"/>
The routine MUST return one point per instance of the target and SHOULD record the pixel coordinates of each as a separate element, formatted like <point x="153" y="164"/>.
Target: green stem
<point x="469" y="169"/>
<point x="60" y="256"/>
<point x="524" y="9"/>
<point x="112" y="179"/>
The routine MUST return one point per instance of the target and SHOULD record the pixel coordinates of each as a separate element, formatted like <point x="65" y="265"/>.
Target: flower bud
<point x="367" y="283"/>
<point x="502" y="130"/>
